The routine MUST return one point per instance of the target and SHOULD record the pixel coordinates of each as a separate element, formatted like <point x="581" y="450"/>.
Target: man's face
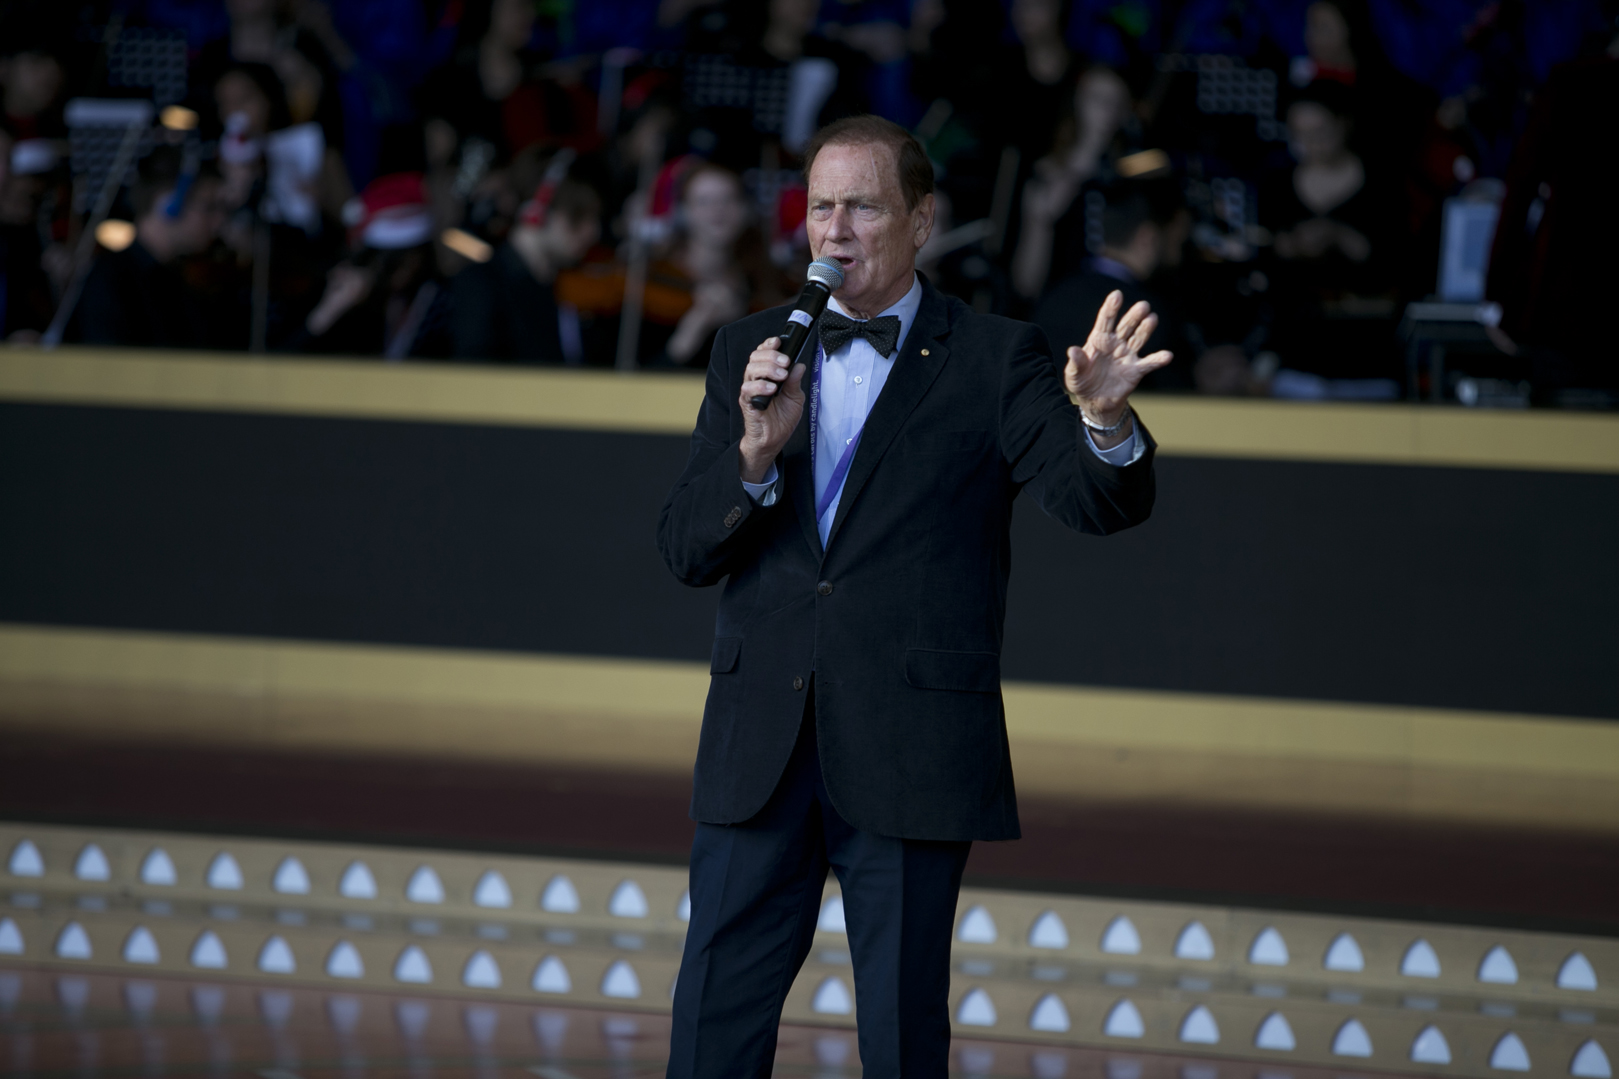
<point x="857" y="216"/>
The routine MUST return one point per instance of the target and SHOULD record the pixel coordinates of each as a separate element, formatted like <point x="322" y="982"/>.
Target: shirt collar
<point x="905" y="309"/>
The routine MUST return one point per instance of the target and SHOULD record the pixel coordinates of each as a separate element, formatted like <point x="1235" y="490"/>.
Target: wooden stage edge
<point x="666" y="403"/>
<point x="1069" y="743"/>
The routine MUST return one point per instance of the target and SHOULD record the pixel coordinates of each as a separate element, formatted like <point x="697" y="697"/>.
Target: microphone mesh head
<point x="827" y="272"/>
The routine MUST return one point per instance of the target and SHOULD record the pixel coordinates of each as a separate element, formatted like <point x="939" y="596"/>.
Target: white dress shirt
<point x="852" y="379"/>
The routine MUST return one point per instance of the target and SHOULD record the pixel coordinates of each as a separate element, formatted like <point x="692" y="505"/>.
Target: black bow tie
<point x="837" y="331"/>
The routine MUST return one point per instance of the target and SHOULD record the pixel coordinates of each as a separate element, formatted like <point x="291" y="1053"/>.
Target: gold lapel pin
<point x="924" y="352"/>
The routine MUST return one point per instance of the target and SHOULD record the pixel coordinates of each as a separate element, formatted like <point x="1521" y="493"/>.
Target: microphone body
<point x="825" y="275"/>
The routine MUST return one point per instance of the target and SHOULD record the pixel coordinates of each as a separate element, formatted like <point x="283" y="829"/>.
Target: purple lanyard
<point x="839" y="473"/>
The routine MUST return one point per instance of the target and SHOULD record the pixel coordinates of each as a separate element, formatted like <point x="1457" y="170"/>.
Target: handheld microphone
<point x="825" y="276"/>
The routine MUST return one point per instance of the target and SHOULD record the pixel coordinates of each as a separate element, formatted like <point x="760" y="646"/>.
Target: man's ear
<point x="923" y="217"/>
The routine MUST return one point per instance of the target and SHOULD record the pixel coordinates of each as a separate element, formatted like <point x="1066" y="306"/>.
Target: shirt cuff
<point x="766" y="493"/>
<point x="1125" y="453"/>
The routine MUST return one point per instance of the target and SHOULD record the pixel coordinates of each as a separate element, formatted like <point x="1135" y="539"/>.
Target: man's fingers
<point x="1133" y="318"/>
<point x="796" y="378"/>
<point x="1107" y="313"/>
<point x="1078" y="358"/>
<point x="1158" y="359"/>
<point x="1138" y="340"/>
<point x="769" y="344"/>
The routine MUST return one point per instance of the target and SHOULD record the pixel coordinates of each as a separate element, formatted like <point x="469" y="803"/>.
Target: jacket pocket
<point x="726" y="651"/>
<point x="966" y="672"/>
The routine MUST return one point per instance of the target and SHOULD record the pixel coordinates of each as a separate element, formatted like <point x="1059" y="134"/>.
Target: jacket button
<point x="824" y="588"/>
<point x="798" y="683"/>
<point x="733" y="517"/>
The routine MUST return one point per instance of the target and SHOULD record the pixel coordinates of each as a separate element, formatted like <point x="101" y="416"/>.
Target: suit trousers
<point x="755" y="900"/>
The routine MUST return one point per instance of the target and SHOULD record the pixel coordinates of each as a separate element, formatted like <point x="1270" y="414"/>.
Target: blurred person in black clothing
<point x="33" y="78"/>
<point x="1553" y="266"/>
<point x="506" y="309"/>
<point x="1336" y="224"/>
<point x="387" y="299"/>
<point x="138" y="296"/>
<point x="1052" y="237"/>
<point x="1143" y="230"/>
<point x="26" y="304"/>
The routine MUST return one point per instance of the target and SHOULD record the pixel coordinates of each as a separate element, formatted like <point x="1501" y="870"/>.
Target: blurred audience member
<point x="1334" y="221"/>
<point x="1052" y="240"/>
<point x="137" y="296"/>
<point x="32" y="82"/>
<point x="26" y="304"/>
<point x="1553" y="269"/>
<point x="387" y="299"/>
<point x="1138" y="238"/>
<point x="506" y="309"/>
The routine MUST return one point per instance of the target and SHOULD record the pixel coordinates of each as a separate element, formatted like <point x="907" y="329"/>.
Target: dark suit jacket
<point x="900" y="619"/>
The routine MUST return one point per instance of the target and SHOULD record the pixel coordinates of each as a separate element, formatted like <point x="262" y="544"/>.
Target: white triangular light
<point x="424" y="886"/>
<point x="831" y="919"/>
<point x="1577" y="973"/>
<point x="976" y="1010"/>
<point x="1048" y="931"/>
<point x="412" y="966"/>
<point x="683" y="909"/>
<point x="482" y="972"/>
<point x="157" y="869"/>
<point x="1050" y="1015"/>
<point x="224" y="873"/>
<point x="1194" y="942"/>
<point x="620" y="981"/>
<point x="357" y="882"/>
<point x="1344" y="954"/>
<point x="492" y="891"/>
<point x="276" y="957"/>
<point x="1497" y="967"/>
<point x="91" y="864"/>
<point x="140" y="946"/>
<point x="73" y="942"/>
<point x="1199" y="1027"/>
<point x="977" y="927"/>
<point x="1352" y="1040"/>
<point x="1275" y="1033"/>
<point x="551" y="976"/>
<point x="26" y="860"/>
<point x="1420" y="960"/>
<point x="344" y="961"/>
<point x="560" y="897"/>
<point x="209" y="951"/>
<point x="1120" y="937"/>
<point x="1430" y="1047"/>
<point x="10" y="938"/>
<point x="291" y="878"/>
<point x="1590" y="1062"/>
<point x="628" y="901"/>
<point x="1509" y="1054"/>
<point x="832" y="998"/>
<point x="1124" y="1021"/>
<point x="1268" y="949"/>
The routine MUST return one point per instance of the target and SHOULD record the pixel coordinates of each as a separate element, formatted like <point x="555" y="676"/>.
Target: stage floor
<point x="89" y="1024"/>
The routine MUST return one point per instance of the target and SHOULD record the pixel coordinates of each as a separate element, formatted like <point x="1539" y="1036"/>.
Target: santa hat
<point x="391" y="213"/>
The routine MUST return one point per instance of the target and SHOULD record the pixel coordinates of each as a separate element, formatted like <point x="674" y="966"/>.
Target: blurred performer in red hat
<point x="387" y="298"/>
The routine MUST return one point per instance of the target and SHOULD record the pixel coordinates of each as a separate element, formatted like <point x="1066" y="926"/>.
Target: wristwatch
<point x="1107" y="432"/>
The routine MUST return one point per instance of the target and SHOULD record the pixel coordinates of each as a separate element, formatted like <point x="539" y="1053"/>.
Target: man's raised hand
<point x="1106" y="369"/>
<point x="766" y="431"/>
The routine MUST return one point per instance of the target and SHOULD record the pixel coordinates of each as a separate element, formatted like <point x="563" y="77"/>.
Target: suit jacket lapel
<point x="799" y="477"/>
<point x="907" y="383"/>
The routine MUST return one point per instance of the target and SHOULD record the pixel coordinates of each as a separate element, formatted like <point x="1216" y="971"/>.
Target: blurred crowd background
<point x="1362" y="199"/>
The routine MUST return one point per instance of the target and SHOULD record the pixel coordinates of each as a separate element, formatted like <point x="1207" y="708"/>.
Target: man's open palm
<point x="1106" y="369"/>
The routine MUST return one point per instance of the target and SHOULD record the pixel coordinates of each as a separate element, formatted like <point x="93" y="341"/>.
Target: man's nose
<point x="841" y="224"/>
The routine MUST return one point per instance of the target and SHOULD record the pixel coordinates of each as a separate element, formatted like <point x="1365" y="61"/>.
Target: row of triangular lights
<point x="343" y="961"/>
<point x="357" y="882"/>
<point x="1198" y="1027"/>
<point x="1268" y="948"/>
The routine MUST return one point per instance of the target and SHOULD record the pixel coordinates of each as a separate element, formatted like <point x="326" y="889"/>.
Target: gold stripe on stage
<point x="1075" y="743"/>
<point x="666" y="403"/>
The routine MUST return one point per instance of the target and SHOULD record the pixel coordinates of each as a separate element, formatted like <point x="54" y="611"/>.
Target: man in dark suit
<point x="854" y="719"/>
